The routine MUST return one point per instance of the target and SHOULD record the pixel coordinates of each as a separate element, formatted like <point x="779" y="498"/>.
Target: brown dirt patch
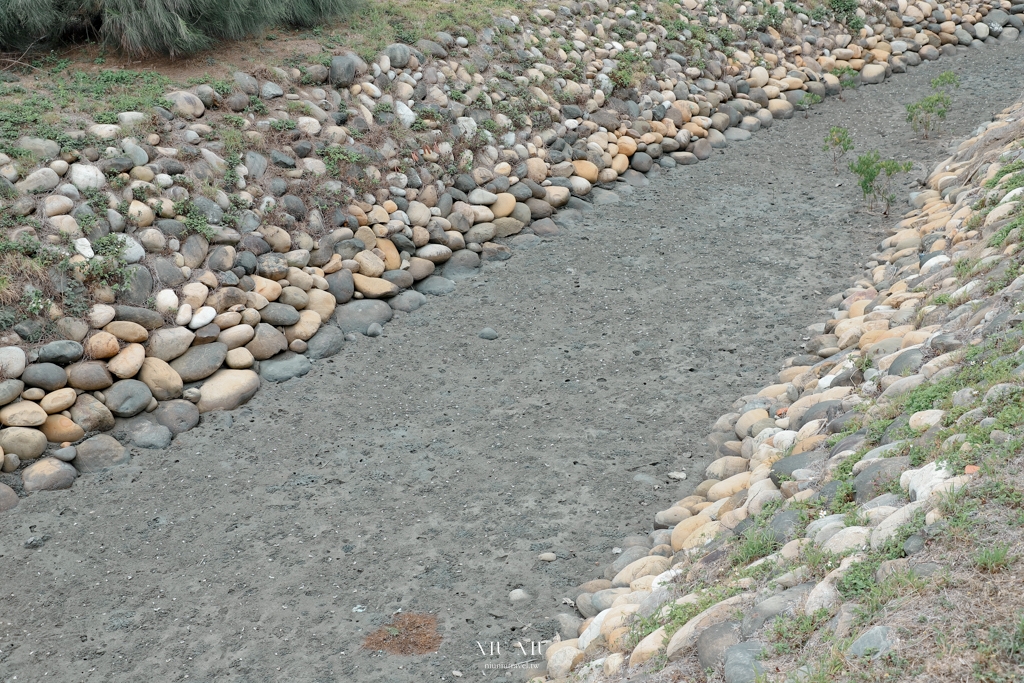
<point x="407" y="634"/>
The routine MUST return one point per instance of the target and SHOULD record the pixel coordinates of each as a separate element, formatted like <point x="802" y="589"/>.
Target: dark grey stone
<point x="714" y="641"/>
<point x="127" y="397"/>
<point x="146" y="317"/>
<point x="800" y="461"/>
<point x="741" y="663"/>
<point x="357" y="316"/>
<point x="341" y="285"/>
<point x="284" y="366"/>
<point x="139" y="286"/>
<point x="178" y="415"/>
<point x="279" y="314"/>
<point x="877" y="476"/>
<point x="435" y="285"/>
<point x="199" y="362"/>
<point x="60" y="352"/>
<point x="766" y="610"/>
<point x="343" y="70"/>
<point x="151" y="435"/>
<point x="875" y="643"/>
<point x="46" y="376"/>
<point x="408" y="301"/>
<point x="328" y="341"/>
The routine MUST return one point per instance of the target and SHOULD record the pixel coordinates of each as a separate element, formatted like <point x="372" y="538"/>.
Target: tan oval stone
<point x="322" y="302"/>
<point x="392" y="259"/>
<point x="22" y="414"/>
<point x="586" y="169"/>
<point x="239" y="358"/>
<point x="747" y="421"/>
<point x="102" y="345"/>
<point x="370" y="265"/>
<point x="236" y="336"/>
<point x="49" y="474"/>
<point x="58" y="429"/>
<point x="267" y="288"/>
<point x="163" y="381"/>
<point x="309" y="323"/>
<point x="373" y="287"/>
<point x="729" y="487"/>
<point x="59" y="400"/>
<point x="645" y="566"/>
<point x="686" y="527"/>
<point x="24" y="442"/>
<point x="127" y="363"/>
<point x="127" y="331"/>
<point x="227" y="389"/>
<point x="504" y="205"/>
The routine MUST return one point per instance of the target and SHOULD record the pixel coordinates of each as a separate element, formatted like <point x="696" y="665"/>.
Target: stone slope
<point x="902" y="411"/>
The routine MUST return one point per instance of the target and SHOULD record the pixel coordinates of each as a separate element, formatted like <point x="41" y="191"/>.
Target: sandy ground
<point x="425" y="470"/>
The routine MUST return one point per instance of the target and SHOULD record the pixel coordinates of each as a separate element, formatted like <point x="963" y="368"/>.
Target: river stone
<point x="328" y="341"/>
<point x="714" y="641"/>
<point x="10" y="389"/>
<point x="24" y="442"/>
<point x="100" y="452"/>
<point x="227" y="389"/>
<point x="874" y="478"/>
<point x="280" y="315"/>
<point x="875" y="643"/>
<point x="149" y="319"/>
<point x="186" y="104"/>
<point x="408" y="301"/>
<point x="741" y="663"/>
<point x="161" y="379"/>
<point x="284" y="366"/>
<point x="8" y="498"/>
<point x="357" y="316"/>
<point x="60" y="352"/>
<point x="48" y="474"/>
<point x="341" y="285"/>
<point x="169" y="343"/>
<point x="92" y="375"/>
<point x="178" y="415"/>
<point x="46" y="376"/>
<point x="151" y="435"/>
<point x="768" y="609"/>
<point x="199" y="362"/>
<point x="267" y="342"/>
<point x="435" y="285"/>
<point x="463" y="264"/>
<point x="22" y="414"/>
<point x="127" y="398"/>
<point x="12" y="362"/>
<point x="91" y="415"/>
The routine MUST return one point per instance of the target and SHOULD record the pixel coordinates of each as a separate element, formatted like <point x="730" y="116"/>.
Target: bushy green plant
<point x="171" y="27"/>
<point x="925" y="114"/>
<point x="837" y="142"/>
<point x="876" y="175"/>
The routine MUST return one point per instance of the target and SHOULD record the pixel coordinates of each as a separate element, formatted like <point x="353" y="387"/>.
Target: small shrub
<point x="925" y="114"/>
<point x="876" y="175"/>
<point x="837" y="142"/>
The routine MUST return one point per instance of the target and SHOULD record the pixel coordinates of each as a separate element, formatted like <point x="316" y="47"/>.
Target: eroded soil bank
<point x="425" y="470"/>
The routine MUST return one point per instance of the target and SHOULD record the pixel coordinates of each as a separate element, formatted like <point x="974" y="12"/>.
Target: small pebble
<point x="488" y="334"/>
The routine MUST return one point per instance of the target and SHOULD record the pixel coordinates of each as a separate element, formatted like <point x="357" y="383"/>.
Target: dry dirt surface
<point x="425" y="470"/>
